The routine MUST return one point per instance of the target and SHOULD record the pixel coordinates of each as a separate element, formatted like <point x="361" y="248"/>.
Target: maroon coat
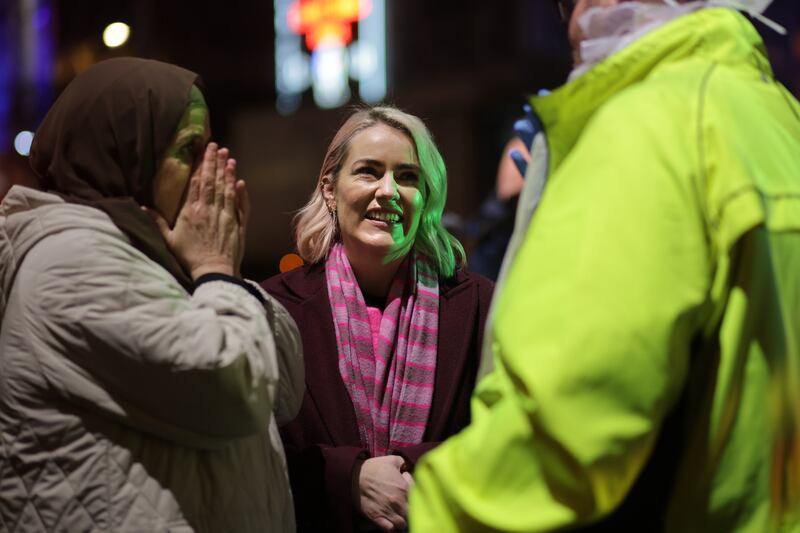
<point x="322" y="443"/>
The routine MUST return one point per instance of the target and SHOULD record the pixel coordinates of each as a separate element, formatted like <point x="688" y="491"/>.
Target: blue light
<point x="22" y="143"/>
<point x="8" y="50"/>
<point x="288" y="48"/>
<point x="44" y="57"/>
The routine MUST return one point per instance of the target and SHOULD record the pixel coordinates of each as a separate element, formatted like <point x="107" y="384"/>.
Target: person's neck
<point x="373" y="274"/>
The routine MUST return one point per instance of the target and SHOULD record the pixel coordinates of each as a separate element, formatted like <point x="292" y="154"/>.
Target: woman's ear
<point x="327" y="189"/>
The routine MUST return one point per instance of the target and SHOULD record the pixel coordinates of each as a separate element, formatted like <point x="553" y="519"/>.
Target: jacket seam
<point x="701" y="137"/>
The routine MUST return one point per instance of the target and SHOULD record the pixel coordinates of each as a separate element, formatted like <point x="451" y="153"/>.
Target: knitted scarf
<point x="392" y="389"/>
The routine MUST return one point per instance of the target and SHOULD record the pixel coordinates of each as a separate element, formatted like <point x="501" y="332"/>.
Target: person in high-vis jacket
<point x="642" y="370"/>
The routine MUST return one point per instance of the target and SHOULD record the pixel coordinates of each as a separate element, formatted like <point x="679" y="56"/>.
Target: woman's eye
<point x="409" y="176"/>
<point x="186" y="153"/>
<point x="369" y="171"/>
<point x="192" y="145"/>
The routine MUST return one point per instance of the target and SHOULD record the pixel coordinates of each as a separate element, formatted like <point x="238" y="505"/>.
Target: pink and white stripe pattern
<point x="391" y="389"/>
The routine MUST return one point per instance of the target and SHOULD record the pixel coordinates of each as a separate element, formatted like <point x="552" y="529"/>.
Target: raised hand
<point x="208" y="235"/>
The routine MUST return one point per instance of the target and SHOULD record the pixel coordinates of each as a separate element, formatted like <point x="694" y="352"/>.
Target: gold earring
<point x="334" y="219"/>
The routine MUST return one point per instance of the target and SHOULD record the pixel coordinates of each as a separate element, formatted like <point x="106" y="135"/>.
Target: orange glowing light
<point x="289" y="262"/>
<point x="326" y="20"/>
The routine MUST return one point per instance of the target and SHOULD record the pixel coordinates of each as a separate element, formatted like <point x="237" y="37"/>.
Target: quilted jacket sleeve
<point x="114" y="332"/>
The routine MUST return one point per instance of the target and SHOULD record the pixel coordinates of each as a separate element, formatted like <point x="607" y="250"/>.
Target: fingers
<point x="208" y="172"/>
<point x="399" y="504"/>
<point x="230" y="203"/>
<point x="193" y="194"/>
<point x="207" y="236"/>
<point x="398" y="522"/>
<point x="220" y="167"/>
<point x="215" y="176"/>
<point x="243" y="201"/>
<point x="230" y="172"/>
<point x="384" y="524"/>
<point x="392" y="523"/>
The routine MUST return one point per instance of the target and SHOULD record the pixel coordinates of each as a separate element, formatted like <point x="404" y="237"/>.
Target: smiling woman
<point x="378" y="202"/>
<point x="391" y="324"/>
<point x="316" y="224"/>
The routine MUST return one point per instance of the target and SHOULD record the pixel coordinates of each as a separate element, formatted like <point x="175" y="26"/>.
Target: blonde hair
<point x="315" y="227"/>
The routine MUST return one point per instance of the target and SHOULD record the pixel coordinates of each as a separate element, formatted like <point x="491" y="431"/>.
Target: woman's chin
<point x="378" y="247"/>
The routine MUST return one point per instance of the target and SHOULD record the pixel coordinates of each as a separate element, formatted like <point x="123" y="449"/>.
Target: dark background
<point x="465" y="67"/>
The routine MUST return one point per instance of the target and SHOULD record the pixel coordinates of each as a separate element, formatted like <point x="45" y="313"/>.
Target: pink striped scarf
<point x="392" y="389"/>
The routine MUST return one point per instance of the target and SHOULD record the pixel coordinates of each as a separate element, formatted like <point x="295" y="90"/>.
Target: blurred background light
<point x="22" y="142"/>
<point x="326" y="20"/>
<point x="466" y="68"/>
<point x="288" y="47"/>
<point x="324" y="28"/>
<point x="27" y="56"/>
<point x="7" y="80"/>
<point x="289" y="262"/>
<point x="372" y="53"/>
<point x="363" y="60"/>
<point x="288" y="103"/>
<point x="296" y="72"/>
<point x="329" y="72"/>
<point x="116" y="34"/>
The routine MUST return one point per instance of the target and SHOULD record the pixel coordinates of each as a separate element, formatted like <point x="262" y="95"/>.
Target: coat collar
<point x="307" y="282"/>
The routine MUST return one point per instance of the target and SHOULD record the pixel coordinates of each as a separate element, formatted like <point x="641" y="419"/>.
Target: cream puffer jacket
<point x="127" y="404"/>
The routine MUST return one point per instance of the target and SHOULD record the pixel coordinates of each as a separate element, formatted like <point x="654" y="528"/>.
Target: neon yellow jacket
<point x="652" y="310"/>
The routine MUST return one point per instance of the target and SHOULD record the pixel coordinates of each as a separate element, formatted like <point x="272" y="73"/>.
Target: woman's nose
<point x="387" y="187"/>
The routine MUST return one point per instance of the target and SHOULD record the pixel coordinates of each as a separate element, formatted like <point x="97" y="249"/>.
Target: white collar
<point x="608" y="30"/>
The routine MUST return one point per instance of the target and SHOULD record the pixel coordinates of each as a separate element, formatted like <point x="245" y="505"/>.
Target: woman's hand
<point x="209" y="232"/>
<point x="383" y="491"/>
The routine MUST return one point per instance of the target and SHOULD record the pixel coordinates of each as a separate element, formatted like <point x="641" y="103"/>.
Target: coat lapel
<point x="457" y="308"/>
<point x="324" y="385"/>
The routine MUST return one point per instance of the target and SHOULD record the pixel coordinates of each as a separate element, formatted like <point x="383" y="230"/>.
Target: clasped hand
<point x="209" y="232"/>
<point x="383" y="486"/>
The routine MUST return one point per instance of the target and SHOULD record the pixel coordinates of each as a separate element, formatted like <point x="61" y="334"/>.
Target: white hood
<point x="608" y="30"/>
<point x="755" y="6"/>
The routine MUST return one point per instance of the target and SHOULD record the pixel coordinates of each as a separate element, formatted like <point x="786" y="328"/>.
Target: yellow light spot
<point x="116" y="34"/>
